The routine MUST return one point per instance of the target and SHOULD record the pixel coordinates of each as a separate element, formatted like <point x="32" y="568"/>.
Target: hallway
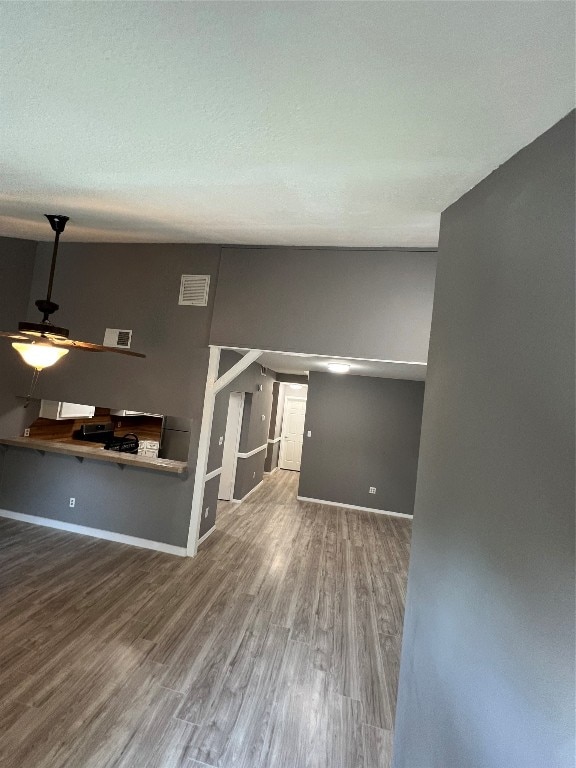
<point x="276" y="647"/>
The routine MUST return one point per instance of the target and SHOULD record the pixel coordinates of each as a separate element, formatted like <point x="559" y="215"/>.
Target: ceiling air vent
<point x="194" y="290"/>
<point x="114" y="337"/>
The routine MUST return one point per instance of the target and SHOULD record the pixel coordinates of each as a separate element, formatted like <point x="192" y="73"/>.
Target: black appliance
<point x="95" y="433"/>
<point x="104" y="433"/>
<point x="126" y="444"/>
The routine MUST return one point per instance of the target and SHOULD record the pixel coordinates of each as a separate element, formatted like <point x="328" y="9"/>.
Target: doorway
<point x="231" y="444"/>
<point x="292" y="433"/>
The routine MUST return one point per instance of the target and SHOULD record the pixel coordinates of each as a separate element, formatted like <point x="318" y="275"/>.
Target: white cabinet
<point x="52" y="409"/>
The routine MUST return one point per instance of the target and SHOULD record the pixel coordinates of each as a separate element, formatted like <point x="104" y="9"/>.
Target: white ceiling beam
<point x="238" y="368"/>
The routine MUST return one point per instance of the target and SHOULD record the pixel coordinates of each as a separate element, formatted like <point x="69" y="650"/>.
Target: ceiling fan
<point x="42" y="344"/>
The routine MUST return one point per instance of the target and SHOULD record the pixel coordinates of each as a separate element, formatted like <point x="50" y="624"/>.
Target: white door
<point x="231" y="443"/>
<point x="292" y="433"/>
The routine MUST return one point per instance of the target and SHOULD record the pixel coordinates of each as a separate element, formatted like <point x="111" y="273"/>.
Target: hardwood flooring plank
<point x="377" y="747"/>
<point x="288" y="736"/>
<point x="206" y="669"/>
<point x="244" y="701"/>
<point x="372" y="683"/>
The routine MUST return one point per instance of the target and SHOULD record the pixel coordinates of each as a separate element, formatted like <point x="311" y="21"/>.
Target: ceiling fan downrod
<point x="47" y="306"/>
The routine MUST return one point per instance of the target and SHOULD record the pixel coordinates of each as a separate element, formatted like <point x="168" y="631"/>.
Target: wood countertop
<point x="82" y="451"/>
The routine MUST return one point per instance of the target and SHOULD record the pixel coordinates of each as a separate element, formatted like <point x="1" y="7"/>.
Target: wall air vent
<point x="114" y="337"/>
<point x="194" y="290"/>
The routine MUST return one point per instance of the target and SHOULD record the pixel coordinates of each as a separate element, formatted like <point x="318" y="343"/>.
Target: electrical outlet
<point x="371" y="489"/>
<point x="72" y="501"/>
<point x="220" y="440"/>
<point x="26" y="433"/>
<point x="206" y="511"/>
<point x="263" y="417"/>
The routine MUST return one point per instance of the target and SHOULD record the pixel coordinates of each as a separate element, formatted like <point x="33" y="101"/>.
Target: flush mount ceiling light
<point x="338" y="367"/>
<point x="42" y="344"/>
<point x="295" y="386"/>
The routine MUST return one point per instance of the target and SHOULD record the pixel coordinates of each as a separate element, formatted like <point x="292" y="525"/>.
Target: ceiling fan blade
<point x="14" y="335"/>
<point x="60" y="341"/>
<point x="89" y="347"/>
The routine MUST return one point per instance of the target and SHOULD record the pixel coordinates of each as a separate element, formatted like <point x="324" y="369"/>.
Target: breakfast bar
<point x="97" y="453"/>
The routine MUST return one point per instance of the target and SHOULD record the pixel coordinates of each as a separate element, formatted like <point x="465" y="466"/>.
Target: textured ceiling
<point x="268" y="122"/>
<point x="386" y="369"/>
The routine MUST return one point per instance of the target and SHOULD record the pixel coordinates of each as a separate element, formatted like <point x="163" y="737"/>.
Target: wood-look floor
<point x="276" y="647"/>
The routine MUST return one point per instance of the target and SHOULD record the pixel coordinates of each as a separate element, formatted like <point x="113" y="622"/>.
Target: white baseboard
<point x="97" y="533"/>
<point x="205" y="536"/>
<point x="272" y="471"/>
<point x="239" y="501"/>
<point x="352" y="506"/>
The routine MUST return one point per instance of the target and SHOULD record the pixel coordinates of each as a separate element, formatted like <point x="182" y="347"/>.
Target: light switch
<point x="309" y="434"/>
<point x="263" y="417"/>
<point x="220" y="440"/>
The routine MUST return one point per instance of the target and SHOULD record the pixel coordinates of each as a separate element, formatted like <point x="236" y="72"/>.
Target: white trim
<point x="205" y="536"/>
<point x="276" y="468"/>
<point x="352" y="506"/>
<point x="214" y="473"/>
<point x="236" y="370"/>
<point x="252" y="453"/>
<point x="334" y="357"/>
<point x="275" y="439"/>
<point x="203" y="448"/>
<point x="97" y="533"/>
<point x="239" y="501"/>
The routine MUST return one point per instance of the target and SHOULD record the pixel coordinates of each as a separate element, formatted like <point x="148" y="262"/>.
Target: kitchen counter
<point x="82" y="451"/>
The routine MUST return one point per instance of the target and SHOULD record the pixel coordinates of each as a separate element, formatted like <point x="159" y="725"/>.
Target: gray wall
<point x="272" y="456"/>
<point x="135" y="502"/>
<point x="250" y="471"/>
<point x="16" y="269"/>
<point x="135" y="286"/>
<point x="361" y="303"/>
<point x="487" y="673"/>
<point x="365" y="432"/>
<point x="209" y="504"/>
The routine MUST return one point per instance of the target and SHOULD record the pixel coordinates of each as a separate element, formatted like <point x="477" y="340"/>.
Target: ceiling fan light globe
<point x="39" y="356"/>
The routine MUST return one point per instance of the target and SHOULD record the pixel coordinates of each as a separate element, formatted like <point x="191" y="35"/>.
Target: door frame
<point x="237" y="445"/>
<point x="286" y="398"/>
